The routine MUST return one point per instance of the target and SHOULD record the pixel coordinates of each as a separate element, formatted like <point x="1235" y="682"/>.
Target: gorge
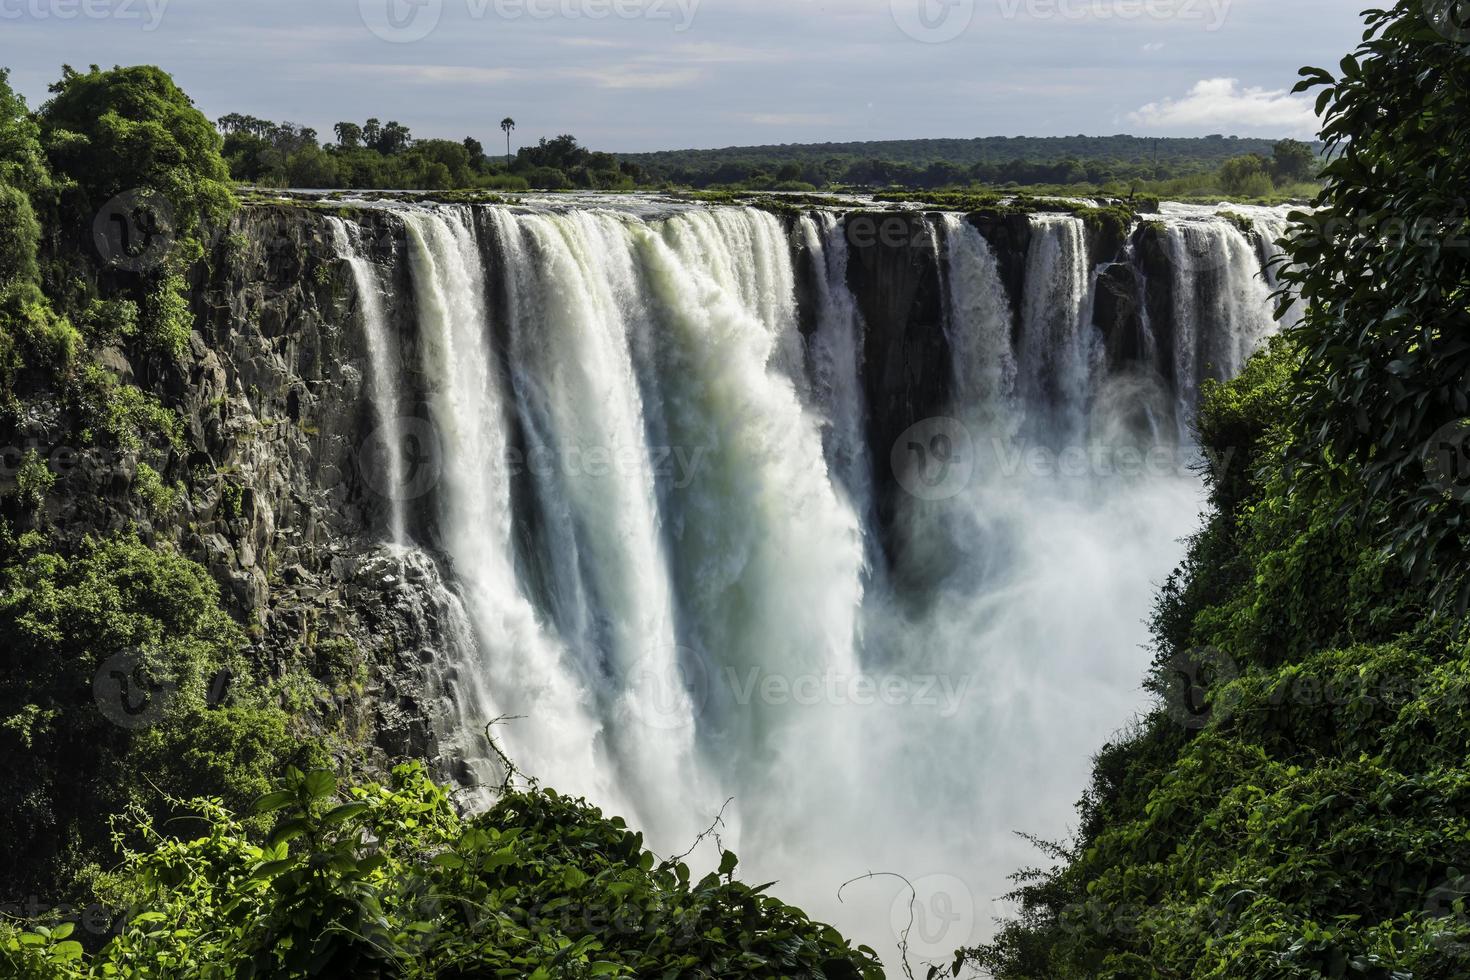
<point x="851" y="519"/>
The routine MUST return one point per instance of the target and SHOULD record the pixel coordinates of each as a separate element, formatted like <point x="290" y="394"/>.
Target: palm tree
<point x="507" y="124"/>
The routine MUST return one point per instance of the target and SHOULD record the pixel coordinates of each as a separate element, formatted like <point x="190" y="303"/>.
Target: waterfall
<point x="766" y="554"/>
<point x="385" y="450"/>
<point x="573" y="293"/>
<point x="836" y="358"/>
<point x="985" y="369"/>
<point x="655" y="515"/>
<point x="1222" y="308"/>
<point x="517" y="667"/>
<point x="1057" y="343"/>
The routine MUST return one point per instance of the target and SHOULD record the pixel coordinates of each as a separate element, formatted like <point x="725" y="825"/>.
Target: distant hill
<point x="1027" y="158"/>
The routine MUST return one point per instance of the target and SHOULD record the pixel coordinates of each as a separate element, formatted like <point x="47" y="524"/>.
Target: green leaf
<point x="344" y="812"/>
<point x="273" y="801"/>
<point x="319" y="784"/>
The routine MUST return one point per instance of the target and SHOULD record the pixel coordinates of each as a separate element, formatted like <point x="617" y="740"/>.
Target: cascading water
<point x="985" y="370"/>
<point x="1057" y="344"/>
<point x="836" y="359"/>
<point x="388" y="440"/>
<point x="1222" y="309"/>
<point x="684" y="601"/>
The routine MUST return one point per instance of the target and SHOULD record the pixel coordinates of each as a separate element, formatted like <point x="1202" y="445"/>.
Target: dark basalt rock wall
<point x="893" y="271"/>
<point x="1009" y="236"/>
<point x="277" y="502"/>
<point x="279" y="418"/>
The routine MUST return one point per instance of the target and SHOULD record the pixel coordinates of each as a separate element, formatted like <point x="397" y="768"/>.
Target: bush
<point x="132" y="129"/>
<point x="389" y="882"/>
<point x="111" y="668"/>
<point x="33" y="334"/>
<point x="167" y="321"/>
<point x="33" y="481"/>
<point x="20" y="237"/>
<point x="547" y="178"/>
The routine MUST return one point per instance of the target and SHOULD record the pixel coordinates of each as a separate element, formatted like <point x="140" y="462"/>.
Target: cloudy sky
<point x="663" y="74"/>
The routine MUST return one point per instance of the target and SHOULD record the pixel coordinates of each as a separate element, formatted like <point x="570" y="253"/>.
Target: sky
<point x="631" y="75"/>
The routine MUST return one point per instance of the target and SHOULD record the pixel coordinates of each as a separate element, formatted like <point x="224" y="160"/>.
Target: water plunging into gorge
<point x="862" y="536"/>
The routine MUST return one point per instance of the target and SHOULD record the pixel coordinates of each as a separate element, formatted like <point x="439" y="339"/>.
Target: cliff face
<point x="276" y="502"/>
<point x="282" y="502"/>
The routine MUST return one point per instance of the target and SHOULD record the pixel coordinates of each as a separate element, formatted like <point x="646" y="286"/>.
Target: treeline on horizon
<point x="385" y="156"/>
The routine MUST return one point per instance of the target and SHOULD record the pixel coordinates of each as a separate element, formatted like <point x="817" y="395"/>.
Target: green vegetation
<point x="1113" y="166"/>
<point x="1299" y="805"/>
<point x="110" y="658"/>
<point x="387" y="157"/>
<point x="375" y="156"/>
<point x="388" y="881"/>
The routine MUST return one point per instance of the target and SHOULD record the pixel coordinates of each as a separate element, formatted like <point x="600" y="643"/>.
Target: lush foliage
<point x="1385" y="264"/>
<point x="117" y="662"/>
<point x="1123" y="161"/>
<point x="386" y="156"/>
<point x="1299" y="806"/>
<point x="131" y="130"/>
<point x="382" y="882"/>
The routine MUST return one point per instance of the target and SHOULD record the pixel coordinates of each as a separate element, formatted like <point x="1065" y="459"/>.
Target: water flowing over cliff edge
<point x="852" y="518"/>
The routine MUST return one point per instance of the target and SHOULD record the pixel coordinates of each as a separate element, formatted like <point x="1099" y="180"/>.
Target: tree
<point x="349" y="135"/>
<point x="22" y="162"/>
<point x="392" y="139"/>
<point x="311" y="167"/>
<point x="1292" y="161"/>
<point x="1244" y="174"/>
<point x="372" y="131"/>
<point x="1384" y="272"/>
<point x="20" y="237"/>
<point x="507" y="124"/>
<point x="476" y="150"/>
<point x="127" y="129"/>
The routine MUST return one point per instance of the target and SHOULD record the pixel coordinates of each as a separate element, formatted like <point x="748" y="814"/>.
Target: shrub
<point x="33" y="481"/>
<point x="389" y="882"/>
<point x="20" y="237"/>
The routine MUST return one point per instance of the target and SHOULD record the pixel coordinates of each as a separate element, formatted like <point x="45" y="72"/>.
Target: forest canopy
<point x="386" y="156"/>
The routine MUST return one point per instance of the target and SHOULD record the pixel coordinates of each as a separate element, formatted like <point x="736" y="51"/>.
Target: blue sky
<point x="664" y="74"/>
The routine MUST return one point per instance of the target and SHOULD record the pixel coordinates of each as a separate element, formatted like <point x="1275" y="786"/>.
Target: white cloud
<point x="433" y="74"/>
<point x="1154" y="46"/>
<point x="629" y="77"/>
<point x="1220" y="104"/>
<point x="788" y="119"/>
